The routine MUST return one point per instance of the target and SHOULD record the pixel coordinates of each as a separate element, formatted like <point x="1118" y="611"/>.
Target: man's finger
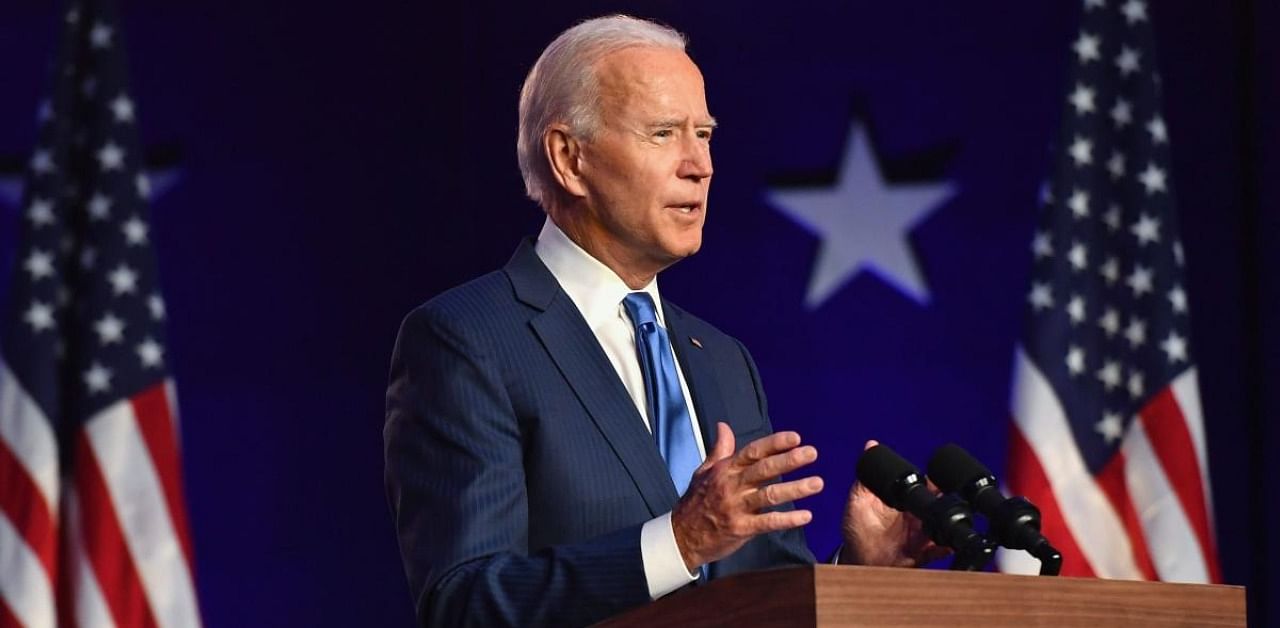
<point x="778" y="464"/>
<point x="762" y="448"/>
<point x="724" y="444"/>
<point x="774" y="521"/>
<point x="783" y="492"/>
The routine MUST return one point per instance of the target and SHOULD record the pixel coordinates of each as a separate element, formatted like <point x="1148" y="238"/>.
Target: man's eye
<point x="704" y="135"/>
<point x="663" y="133"/>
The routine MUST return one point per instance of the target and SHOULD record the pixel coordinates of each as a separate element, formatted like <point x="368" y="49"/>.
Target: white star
<point x="1140" y="280"/>
<point x="1112" y="218"/>
<point x="1178" y="298"/>
<point x="156" y="305"/>
<point x="1110" y="270"/>
<point x="111" y="156"/>
<point x="1082" y="151"/>
<point x="100" y="35"/>
<point x="98" y="378"/>
<point x="99" y="206"/>
<point x="1086" y="47"/>
<point x="1079" y="203"/>
<point x="143" y="185"/>
<point x="1115" y="165"/>
<point x="1082" y="99"/>
<point x="1109" y="375"/>
<point x="123" y="280"/>
<point x="151" y="353"/>
<point x="1041" y="298"/>
<point x="1134" y="11"/>
<point x="110" y="329"/>
<point x="1110" y="322"/>
<point x="1176" y="347"/>
<point x="1127" y="61"/>
<point x="39" y="316"/>
<point x="39" y="264"/>
<point x="1075" y="360"/>
<point x="1147" y="230"/>
<point x="1041" y="245"/>
<point x="1136" y="332"/>
<point x="135" y="231"/>
<point x="1121" y="113"/>
<point x="42" y="162"/>
<point x="863" y="224"/>
<point x="40" y="212"/>
<point x="1111" y="427"/>
<point x="1153" y="179"/>
<point x="1078" y="256"/>
<point x="1075" y="309"/>
<point x="1135" y="384"/>
<point x="122" y="108"/>
<point x="1159" y="134"/>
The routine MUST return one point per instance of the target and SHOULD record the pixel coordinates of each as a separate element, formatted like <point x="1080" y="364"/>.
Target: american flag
<point x="1108" y="436"/>
<point x="93" y="528"/>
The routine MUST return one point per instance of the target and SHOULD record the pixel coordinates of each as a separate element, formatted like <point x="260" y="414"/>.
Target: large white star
<point x="863" y="223"/>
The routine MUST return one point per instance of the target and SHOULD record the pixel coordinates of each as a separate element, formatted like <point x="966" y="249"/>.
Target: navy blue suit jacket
<point x="518" y="470"/>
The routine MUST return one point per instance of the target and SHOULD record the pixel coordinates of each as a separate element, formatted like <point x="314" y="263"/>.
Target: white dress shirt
<point x="598" y="292"/>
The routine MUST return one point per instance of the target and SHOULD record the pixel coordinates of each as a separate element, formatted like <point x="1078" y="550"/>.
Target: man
<point x="561" y="443"/>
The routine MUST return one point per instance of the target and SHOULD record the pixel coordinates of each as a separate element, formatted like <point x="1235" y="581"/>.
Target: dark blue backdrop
<point x="339" y="163"/>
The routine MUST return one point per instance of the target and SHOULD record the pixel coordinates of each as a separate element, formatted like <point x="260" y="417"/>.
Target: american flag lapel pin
<point x="697" y="343"/>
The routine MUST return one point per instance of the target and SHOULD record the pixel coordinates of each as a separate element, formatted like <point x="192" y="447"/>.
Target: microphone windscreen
<point x="952" y="467"/>
<point x="879" y="469"/>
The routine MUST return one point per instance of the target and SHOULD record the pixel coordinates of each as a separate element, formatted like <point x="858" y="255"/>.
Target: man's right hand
<point x="722" y="509"/>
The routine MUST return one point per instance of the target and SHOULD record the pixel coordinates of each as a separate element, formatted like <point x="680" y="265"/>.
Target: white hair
<point x="563" y="88"/>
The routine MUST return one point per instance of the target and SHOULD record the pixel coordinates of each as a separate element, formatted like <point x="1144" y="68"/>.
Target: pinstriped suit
<point x="518" y="469"/>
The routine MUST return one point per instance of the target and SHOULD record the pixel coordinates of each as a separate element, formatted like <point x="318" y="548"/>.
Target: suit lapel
<point x="578" y="356"/>
<point x="698" y="374"/>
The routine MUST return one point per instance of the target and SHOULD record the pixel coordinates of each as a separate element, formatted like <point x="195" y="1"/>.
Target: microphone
<point x="946" y="519"/>
<point x="1015" y="522"/>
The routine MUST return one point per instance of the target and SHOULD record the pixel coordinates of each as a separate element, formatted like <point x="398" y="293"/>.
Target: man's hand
<point x="721" y="511"/>
<point x="875" y="534"/>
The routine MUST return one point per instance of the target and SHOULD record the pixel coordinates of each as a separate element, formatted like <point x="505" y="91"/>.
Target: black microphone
<point x="946" y="519"/>
<point x="1015" y="522"/>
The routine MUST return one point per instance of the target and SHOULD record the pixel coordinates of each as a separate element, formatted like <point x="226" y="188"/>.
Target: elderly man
<point x="562" y="444"/>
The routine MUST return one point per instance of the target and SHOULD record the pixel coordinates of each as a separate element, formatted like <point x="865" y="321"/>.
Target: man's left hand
<point x="877" y="535"/>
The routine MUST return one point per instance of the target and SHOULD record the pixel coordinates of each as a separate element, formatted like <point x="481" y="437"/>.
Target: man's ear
<point x="564" y="154"/>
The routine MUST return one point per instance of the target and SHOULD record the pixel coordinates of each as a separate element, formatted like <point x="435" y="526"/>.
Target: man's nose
<point x="696" y="164"/>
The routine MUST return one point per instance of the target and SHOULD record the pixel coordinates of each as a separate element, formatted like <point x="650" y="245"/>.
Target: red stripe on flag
<point x="24" y="505"/>
<point x="104" y="544"/>
<point x="1027" y="478"/>
<point x="1112" y="482"/>
<point x="1167" y="431"/>
<point x="151" y="408"/>
<point x="7" y="618"/>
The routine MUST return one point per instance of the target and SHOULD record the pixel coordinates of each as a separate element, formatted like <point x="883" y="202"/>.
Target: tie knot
<point x="640" y="308"/>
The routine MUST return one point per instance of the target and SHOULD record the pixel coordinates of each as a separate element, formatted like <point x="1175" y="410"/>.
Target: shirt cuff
<point x="663" y="565"/>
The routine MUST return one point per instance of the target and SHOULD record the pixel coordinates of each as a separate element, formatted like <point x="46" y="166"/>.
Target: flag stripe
<point x="25" y="585"/>
<point x="133" y="484"/>
<point x="155" y="421"/>
<point x="86" y="606"/>
<point x="104" y="543"/>
<point x="1086" y="510"/>
<point x="1164" y="522"/>
<point x="1031" y="482"/>
<point x="21" y="503"/>
<point x="30" y="436"/>
<point x="1173" y="453"/>
<point x="1112" y="481"/>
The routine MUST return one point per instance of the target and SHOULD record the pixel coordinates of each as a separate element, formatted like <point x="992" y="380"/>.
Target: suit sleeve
<point x="455" y="481"/>
<point x="787" y="547"/>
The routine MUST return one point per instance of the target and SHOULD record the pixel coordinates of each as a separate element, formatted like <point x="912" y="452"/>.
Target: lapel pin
<point x="697" y="343"/>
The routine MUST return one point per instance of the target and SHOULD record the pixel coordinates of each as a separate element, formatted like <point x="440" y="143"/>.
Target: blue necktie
<point x="668" y="414"/>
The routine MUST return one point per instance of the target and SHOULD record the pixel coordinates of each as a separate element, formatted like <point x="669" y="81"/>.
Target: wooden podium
<point x="826" y="595"/>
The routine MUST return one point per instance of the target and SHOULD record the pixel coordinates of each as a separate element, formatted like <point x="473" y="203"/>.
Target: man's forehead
<point x="650" y="75"/>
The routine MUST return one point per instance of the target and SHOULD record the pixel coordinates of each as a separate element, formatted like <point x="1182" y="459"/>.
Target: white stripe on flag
<point x="1095" y="525"/>
<point x="24" y="585"/>
<point x="143" y="513"/>
<point x="1174" y="548"/>
<point x="30" y="436"/>
<point x="90" y="606"/>
<point x="1186" y="390"/>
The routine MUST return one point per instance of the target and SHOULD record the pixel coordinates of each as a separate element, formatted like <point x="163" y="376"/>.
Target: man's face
<point x="647" y="170"/>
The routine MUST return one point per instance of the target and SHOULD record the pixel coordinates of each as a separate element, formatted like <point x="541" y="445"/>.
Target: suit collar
<point x="699" y="373"/>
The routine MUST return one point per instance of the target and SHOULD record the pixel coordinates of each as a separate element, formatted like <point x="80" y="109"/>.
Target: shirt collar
<point x="592" y="286"/>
